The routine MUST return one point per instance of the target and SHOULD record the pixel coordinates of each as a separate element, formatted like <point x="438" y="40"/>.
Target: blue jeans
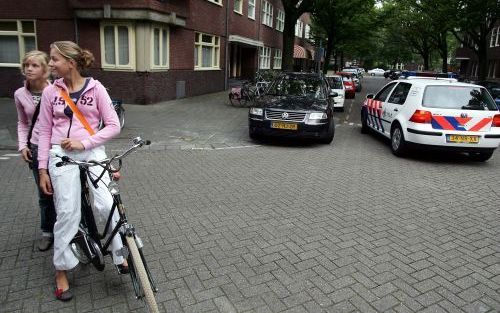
<point x="46" y="203"/>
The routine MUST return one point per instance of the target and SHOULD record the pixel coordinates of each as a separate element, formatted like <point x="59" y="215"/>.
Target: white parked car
<point x="376" y="72"/>
<point x="336" y="85"/>
<point x="434" y="113"/>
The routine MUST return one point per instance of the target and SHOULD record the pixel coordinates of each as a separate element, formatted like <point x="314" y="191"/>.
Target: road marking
<point x="12" y="155"/>
<point x="4" y="158"/>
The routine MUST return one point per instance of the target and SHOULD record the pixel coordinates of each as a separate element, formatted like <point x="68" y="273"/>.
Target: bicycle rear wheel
<point x="142" y="275"/>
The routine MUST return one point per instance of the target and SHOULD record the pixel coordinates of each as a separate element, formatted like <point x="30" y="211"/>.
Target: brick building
<point x="469" y="63"/>
<point x="151" y="50"/>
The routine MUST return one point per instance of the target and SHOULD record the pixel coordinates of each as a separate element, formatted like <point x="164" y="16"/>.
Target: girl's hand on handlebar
<point x="116" y="176"/>
<point x="26" y="155"/>
<point x="70" y="145"/>
<point x="45" y="183"/>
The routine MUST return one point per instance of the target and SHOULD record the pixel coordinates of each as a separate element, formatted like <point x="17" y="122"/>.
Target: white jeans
<point x="67" y="200"/>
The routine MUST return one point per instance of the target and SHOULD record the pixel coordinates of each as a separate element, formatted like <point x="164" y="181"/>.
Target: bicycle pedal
<point x="123" y="252"/>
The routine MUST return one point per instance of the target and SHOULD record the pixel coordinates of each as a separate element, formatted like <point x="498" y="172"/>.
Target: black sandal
<point x="122" y="269"/>
<point x="63" y="295"/>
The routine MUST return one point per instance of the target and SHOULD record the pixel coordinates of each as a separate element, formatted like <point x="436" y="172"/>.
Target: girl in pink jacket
<point x="36" y="70"/>
<point x="61" y="133"/>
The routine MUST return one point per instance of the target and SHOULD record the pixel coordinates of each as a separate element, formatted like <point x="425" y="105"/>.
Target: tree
<point x="343" y="24"/>
<point x="474" y="21"/>
<point x="293" y="10"/>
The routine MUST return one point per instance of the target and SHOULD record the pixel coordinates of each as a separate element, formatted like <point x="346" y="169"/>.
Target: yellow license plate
<point x="288" y="126"/>
<point x="462" y="139"/>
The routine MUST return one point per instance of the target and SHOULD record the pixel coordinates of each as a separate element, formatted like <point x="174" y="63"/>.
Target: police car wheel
<point x="398" y="142"/>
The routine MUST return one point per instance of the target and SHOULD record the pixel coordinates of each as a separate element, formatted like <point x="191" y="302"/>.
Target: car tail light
<point x="496" y="121"/>
<point x="421" y="116"/>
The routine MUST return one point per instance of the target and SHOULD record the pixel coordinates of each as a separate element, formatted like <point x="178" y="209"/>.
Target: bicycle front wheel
<point x="142" y="275"/>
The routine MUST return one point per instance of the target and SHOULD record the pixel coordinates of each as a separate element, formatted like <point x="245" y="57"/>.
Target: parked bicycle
<point x="88" y="246"/>
<point x="245" y="95"/>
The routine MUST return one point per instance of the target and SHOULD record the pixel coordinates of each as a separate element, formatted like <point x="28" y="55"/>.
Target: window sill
<point x="213" y="2"/>
<point x="207" y="69"/>
<point x="118" y="69"/>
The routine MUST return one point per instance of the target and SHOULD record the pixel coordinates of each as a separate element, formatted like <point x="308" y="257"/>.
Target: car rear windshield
<point x="458" y="97"/>
<point x="335" y="82"/>
<point x="299" y="86"/>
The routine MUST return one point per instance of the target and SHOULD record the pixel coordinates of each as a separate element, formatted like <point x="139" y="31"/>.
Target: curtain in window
<point x="206" y="57"/>
<point x="109" y="44"/>
<point x="156" y="47"/>
<point x="123" y="45"/>
<point x="164" y="48"/>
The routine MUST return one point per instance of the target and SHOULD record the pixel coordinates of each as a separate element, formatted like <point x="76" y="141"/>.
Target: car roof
<point x="332" y="75"/>
<point x="430" y="81"/>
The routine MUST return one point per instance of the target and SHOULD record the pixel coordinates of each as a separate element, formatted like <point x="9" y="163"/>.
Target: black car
<point x="493" y="88"/>
<point x="294" y="105"/>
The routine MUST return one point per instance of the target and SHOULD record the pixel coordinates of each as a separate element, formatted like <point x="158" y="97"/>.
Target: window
<point x="267" y="13"/>
<point x="16" y="38"/>
<point x="280" y="21"/>
<point x="251" y="9"/>
<point x="307" y="32"/>
<point x="400" y="93"/>
<point x="264" y="58"/>
<point x="277" y="59"/>
<point x="118" y="46"/>
<point x="206" y="51"/>
<point x="493" y="37"/>
<point x="382" y="95"/>
<point x="457" y="97"/>
<point x="299" y="26"/>
<point x="238" y="6"/>
<point x="219" y="2"/>
<point x="159" y="47"/>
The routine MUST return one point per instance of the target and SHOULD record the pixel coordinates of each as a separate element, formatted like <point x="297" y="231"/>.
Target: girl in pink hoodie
<point x="61" y="133"/>
<point x="36" y="70"/>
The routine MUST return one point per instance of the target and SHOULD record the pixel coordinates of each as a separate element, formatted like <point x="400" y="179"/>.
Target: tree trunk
<point x="443" y="50"/>
<point x="341" y="60"/>
<point x="288" y="42"/>
<point x="329" y="51"/>
<point x="482" y="62"/>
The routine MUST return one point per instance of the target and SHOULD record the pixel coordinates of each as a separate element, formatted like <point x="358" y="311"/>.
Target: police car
<point x="438" y="113"/>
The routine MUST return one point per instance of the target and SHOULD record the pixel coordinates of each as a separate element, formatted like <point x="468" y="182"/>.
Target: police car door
<point x="394" y="105"/>
<point x="375" y="108"/>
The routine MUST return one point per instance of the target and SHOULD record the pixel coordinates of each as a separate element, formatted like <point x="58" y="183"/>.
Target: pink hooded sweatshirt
<point x="25" y="110"/>
<point x="53" y="124"/>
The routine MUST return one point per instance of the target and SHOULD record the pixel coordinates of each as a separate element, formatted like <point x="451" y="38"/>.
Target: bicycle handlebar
<point x="138" y="142"/>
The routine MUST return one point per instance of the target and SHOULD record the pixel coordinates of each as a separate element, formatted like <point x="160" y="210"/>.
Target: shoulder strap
<point x="77" y="112"/>
<point x="33" y="121"/>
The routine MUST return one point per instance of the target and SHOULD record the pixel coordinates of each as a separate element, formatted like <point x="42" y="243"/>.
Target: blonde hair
<point x="38" y="56"/>
<point x="70" y="50"/>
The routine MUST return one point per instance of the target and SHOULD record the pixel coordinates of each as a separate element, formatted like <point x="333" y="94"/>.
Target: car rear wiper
<point x="473" y="107"/>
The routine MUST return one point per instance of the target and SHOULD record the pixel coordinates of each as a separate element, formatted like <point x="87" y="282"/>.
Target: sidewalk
<point x="177" y="124"/>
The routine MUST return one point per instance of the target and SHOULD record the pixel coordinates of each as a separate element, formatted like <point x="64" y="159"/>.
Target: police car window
<point x="458" y="97"/>
<point x="382" y="94"/>
<point x="400" y="93"/>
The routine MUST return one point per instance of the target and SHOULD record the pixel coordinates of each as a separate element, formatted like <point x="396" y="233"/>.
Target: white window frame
<point x="264" y="58"/>
<point x="20" y="39"/>
<point x="218" y="2"/>
<point x="131" y="47"/>
<point x="307" y="31"/>
<point x="493" y="37"/>
<point x="299" y="27"/>
<point x="278" y="58"/>
<point x="280" y="20"/>
<point x="215" y="45"/>
<point x="251" y="9"/>
<point x="267" y="13"/>
<point x="238" y="9"/>
<point x="162" y="29"/>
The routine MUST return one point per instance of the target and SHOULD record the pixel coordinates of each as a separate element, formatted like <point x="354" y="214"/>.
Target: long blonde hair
<point x="38" y="56"/>
<point x="70" y="50"/>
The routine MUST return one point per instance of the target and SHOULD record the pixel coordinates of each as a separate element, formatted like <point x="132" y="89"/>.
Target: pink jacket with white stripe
<point x="53" y="124"/>
<point x="25" y="110"/>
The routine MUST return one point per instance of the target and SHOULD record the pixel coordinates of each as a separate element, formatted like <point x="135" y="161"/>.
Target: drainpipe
<point x="226" y="58"/>
<point x="77" y="35"/>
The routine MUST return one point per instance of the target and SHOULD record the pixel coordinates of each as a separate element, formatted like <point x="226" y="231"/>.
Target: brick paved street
<point x="230" y="225"/>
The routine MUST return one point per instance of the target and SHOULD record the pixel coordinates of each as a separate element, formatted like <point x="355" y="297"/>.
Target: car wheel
<point x="372" y="74"/>
<point x="329" y="136"/>
<point x="364" y="123"/>
<point x="398" y="142"/>
<point x="480" y="156"/>
<point x="253" y="135"/>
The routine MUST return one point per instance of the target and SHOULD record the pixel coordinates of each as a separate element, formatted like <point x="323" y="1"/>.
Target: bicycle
<point x="87" y="245"/>
<point x="245" y="95"/>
